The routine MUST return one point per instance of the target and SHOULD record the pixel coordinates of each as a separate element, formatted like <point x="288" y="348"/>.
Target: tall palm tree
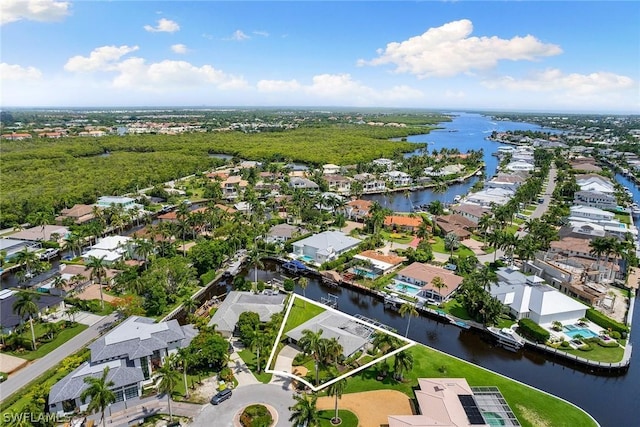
<point x="144" y="248"/>
<point x="255" y="258"/>
<point x="304" y="412"/>
<point x="303" y="282"/>
<point x="408" y="309"/>
<point x="169" y="378"/>
<point x="312" y="343"/>
<point x="336" y="389"/>
<point x="257" y="343"/>
<point x="100" y="393"/>
<point x="24" y="306"/>
<point x="26" y="259"/>
<point x="451" y="242"/>
<point x="385" y="342"/>
<point x="403" y="363"/>
<point x="439" y="284"/>
<point x="484" y="224"/>
<point x="98" y="272"/>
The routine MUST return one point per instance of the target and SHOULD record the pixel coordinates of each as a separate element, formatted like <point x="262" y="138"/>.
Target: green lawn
<point x="249" y="359"/>
<point x="623" y="218"/>
<point x="599" y="353"/>
<point x="349" y="419"/>
<point x="43" y="349"/>
<point x="532" y="407"/>
<point x="397" y="237"/>
<point x="456" y="309"/>
<point x="462" y="250"/>
<point x="300" y="313"/>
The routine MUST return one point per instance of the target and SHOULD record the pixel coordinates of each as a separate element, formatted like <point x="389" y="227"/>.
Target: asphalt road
<point x="223" y="414"/>
<point x="544" y="206"/>
<point x="27" y="374"/>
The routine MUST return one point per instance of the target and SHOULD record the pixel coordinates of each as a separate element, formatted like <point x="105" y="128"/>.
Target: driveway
<point x="270" y="394"/>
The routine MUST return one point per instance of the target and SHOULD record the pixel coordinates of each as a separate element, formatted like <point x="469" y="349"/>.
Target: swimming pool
<point x="306" y="258"/>
<point x="493" y="419"/>
<point x="364" y="273"/>
<point x="405" y="288"/>
<point x="573" y="330"/>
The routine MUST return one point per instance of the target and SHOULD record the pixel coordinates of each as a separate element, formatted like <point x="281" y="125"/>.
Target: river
<point x="467" y="131"/>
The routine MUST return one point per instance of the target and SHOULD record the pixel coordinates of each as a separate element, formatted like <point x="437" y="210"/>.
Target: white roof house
<point x="112" y="248"/>
<point x="124" y="202"/>
<point x="324" y="246"/>
<point x="520" y="165"/>
<point x="329" y="169"/>
<point x="587" y="213"/>
<point x="499" y="196"/>
<point x="594" y="183"/>
<point x="530" y="297"/>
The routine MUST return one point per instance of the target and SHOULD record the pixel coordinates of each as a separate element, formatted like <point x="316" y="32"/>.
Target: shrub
<point x="585" y="347"/>
<point x="615" y="335"/>
<point x="610" y="343"/>
<point x="226" y="374"/>
<point x="564" y="344"/>
<point x="532" y="330"/>
<point x="289" y="284"/>
<point x="301" y="359"/>
<point x="606" y="322"/>
<point x="256" y="416"/>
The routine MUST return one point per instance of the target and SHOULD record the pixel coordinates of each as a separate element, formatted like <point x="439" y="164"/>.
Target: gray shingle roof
<point x="238" y="302"/>
<point x="72" y="386"/>
<point x="349" y="333"/>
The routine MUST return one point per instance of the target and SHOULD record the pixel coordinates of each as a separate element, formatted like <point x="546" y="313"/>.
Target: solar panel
<point x="471" y="409"/>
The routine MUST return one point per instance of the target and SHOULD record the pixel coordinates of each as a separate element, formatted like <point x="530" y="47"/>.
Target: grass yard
<point x="349" y="419"/>
<point x="454" y="308"/>
<point x="532" y="407"/>
<point x="599" y="353"/>
<point x="462" y="250"/>
<point x="249" y="359"/>
<point x="623" y="218"/>
<point x="300" y="313"/>
<point x="397" y="237"/>
<point x="43" y="349"/>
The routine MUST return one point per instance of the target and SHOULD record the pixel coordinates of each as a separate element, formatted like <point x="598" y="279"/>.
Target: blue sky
<point x="543" y="56"/>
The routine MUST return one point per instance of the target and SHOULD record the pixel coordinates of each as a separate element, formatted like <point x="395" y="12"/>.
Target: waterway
<point x="467" y="131"/>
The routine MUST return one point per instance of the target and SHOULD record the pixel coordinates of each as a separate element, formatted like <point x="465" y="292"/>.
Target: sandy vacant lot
<point x="371" y="407"/>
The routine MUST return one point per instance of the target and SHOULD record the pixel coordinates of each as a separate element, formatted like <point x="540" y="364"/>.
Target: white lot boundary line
<point x="410" y="343"/>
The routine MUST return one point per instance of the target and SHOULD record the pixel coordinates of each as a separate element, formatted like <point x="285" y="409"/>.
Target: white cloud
<point x="164" y="26"/>
<point x="17" y="72"/>
<point x="239" y="35"/>
<point x="449" y="50"/>
<point x="33" y="10"/>
<point x="135" y="73"/>
<point x="100" y="59"/>
<point x="261" y="33"/>
<point x="278" y="86"/>
<point x="179" y="48"/>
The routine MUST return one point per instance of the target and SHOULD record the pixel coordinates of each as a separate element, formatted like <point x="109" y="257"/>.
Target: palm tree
<point x="59" y="282"/>
<point x="484" y="224"/>
<point x="99" y="392"/>
<point x="439" y="284"/>
<point x="304" y="412"/>
<point x="385" y="342"/>
<point x="184" y="356"/>
<point x="257" y="343"/>
<point x="144" y="248"/>
<point x="26" y="259"/>
<point x="312" y="343"/>
<point x="25" y="306"/>
<point x="403" y="363"/>
<point x="98" y="271"/>
<point x="410" y="309"/>
<point x="336" y="389"/>
<point x="303" y="283"/>
<point x="72" y="310"/>
<point x="169" y="378"/>
<point x="255" y="258"/>
<point x="451" y="242"/>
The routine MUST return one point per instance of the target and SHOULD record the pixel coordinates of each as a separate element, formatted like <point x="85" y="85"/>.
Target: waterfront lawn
<point x="462" y="250"/>
<point x="532" y="407"/>
<point x="599" y="353"/>
<point x="623" y="218"/>
<point x="249" y="358"/>
<point x="45" y="348"/>
<point x="402" y="238"/>
<point x="454" y="308"/>
<point x="300" y="313"/>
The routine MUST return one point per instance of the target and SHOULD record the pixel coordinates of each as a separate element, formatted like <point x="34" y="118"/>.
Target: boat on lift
<point x="507" y="338"/>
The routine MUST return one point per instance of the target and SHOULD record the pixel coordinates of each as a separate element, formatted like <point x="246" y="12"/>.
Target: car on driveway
<point x="221" y="396"/>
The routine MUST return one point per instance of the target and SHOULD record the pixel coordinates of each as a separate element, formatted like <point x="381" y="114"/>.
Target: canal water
<point x="467" y="131"/>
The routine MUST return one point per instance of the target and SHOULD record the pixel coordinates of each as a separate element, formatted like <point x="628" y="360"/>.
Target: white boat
<point x="457" y="198"/>
<point x="507" y="338"/>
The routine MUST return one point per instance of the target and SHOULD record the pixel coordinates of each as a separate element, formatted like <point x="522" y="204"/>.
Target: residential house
<point x="172" y="216"/>
<point x="112" y="249"/>
<point x="235" y="303"/>
<point x="78" y="214"/>
<point x="132" y="352"/>
<point x="456" y="224"/>
<point x="330" y="169"/>
<point x="451" y="402"/>
<point x="338" y="183"/>
<point x="398" y="178"/>
<point x="444" y="171"/>
<point x="520" y="165"/>
<point x="16" y="136"/>
<point x="388" y="164"/>
<point x="357" y="210"/>
<point x="595" y="199"/>
<point x="323" y="247"/>
<point x="370" y="184"/>
<point x="11" y="247"/>
<point x="41" y="233"/>
<point x="422" y="275"/>
<point x="125" y="203"/>
<point x="471" y="212"/>
<point x="9" y="319"/>
<point x="595" y="183"/>
<point x="485" y="198"/>
<point x="589" y="214"/>
<point x="507" y="181"/>
<point x="378" y="262"/>
<point x="280" y="233"/>
<point x="233" y="186"/>
<point x="303" y="183"/>
<point x="403" y="223"/>
<point x="531" y="298"/>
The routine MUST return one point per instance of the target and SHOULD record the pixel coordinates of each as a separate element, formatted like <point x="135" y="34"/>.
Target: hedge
<point x="532" y="330"/>
<point x="606" y="322"/>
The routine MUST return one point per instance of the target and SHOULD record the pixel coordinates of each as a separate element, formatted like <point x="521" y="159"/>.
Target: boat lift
<point x="330" y="300"/>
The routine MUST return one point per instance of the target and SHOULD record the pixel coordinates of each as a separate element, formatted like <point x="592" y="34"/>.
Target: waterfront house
<point x="132" y="352"/>
<point x="402" y="223"/>
<point x="11" y="247"/>
<point x="595" y="199"/>
<point x="41" y="233"/>
<point x="370" y="184"/>
<point x="233" y="186"/>
<point x="378" y="262"/>
<point x="357" y="210"/>
<point x="531" y="298"/>
<point x="125" y="203"/>
<point x="595" y="183"/>
<point x="235" y="303"/>
<point x="520" y="165"/>
<point x="507" y="181"/>
<point x="330" y="169"/>
<point x="303" y="183"/>
<point x="338" y="183"/>
<point x="486" y="198"/>
<point x="78" y="214"/>
<point x="589" y="214"/>
<point x="280" y="233"/>
<point x="323" y="247"/>
<point x="387" y="164"/>
<point x="112" y="248"/>
<point x="451" y="402"/>
<point x="422" y="275"/>
<point x="397" y="178"/>
<point x="456" y="224"/>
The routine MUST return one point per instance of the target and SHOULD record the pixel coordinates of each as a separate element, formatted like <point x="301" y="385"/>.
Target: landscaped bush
<point x="301" y="359"/>
<point x="611" y="343"/>
<point x="532" y="330"/>
<point x="565" y="344"/>
<point x="615" y="335"/>
<point x="289" y="284"/>
<point x="226" y="374"/>
<point x="606" y="322"/>
<point x="208" y="277"/>
<point x="256" y="416"/>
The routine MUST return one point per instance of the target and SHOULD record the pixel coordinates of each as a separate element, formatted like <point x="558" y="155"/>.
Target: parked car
<point x="221" y="396"/>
